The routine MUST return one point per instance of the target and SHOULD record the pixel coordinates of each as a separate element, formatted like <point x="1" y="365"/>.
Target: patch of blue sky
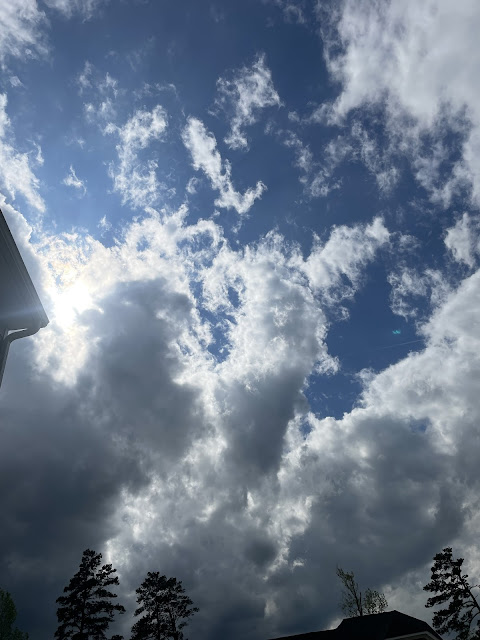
<point x="332" y="395"/>
<point x="419" y="426"/>
<point x="364" y="339"/>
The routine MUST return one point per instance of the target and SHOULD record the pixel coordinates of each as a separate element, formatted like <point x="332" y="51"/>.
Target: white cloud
<point x="143" y="127"/>
<point x="410" y="288"/>
<point x="21" y="24"/>
<point x="303" y="154"/>
<point x="334" y="152"/>
<point x="78" y="272"/>
<point x="250" y="90"/>
<point x="135" y="180"/>
<point x="446" y="371"/>
<point x="315" y="177"/>
<point x="293" y="10"/>
<point x="84" y="77"/>
<point x="102" y="91"/>
<point x="72" y="180"/>
<point x="39" y="159"/>
<point x="16" y="175"/>
<point x="191" y="187"/>
<point x="86" y="8"/>
<point x="463" y="239"/>
<point x="205" y="156"/>
<point x="104" y="224"/>
<point x="318" y="175"/>
<point x="344" y="255"/>
<point x="420" y="61"/>
<point x="379" y="159"/>
<point x="15" y="81"/>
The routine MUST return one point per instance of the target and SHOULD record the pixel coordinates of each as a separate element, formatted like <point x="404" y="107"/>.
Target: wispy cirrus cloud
<point x="317" y="175"/>
<point x="84" y="78"/>
<point x="411" y="287"/>
<point x="16" y="174"/>
<point x="243" y="97"/>
<point x="72" y="180"/>
<point x="206" y="157"/>
<point x="320" y="174"/>
<point x="101" y="90"/>
<point x="85" y="8"/>
<point x="463" y="240"/>
<point x="21" y="25"/>
<point x="135" y="180"/>
<point x="16" y="82"/>
<point x="134" y="175"/>
<point x="293" y="10"/>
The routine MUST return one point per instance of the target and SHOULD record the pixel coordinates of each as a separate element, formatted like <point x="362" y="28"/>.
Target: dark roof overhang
<point x="21" y="312"/>
<point x="20" y="306"/>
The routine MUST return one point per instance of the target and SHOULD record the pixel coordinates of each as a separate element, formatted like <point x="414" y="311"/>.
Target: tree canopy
<point x="452" y="587"/>
<point x="8" y="615"/>
<point x="87" y="610"/>
<point x="354" y="602"/>
<point x="165" y="606"/>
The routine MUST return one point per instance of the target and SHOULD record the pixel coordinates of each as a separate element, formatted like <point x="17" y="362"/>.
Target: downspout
<point x="7" y="341"/>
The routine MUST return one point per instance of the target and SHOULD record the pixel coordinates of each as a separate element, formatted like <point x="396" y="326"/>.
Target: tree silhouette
<point x="354" y="603"/>
<point x="8" y="615"/>
<point x="87" y="610"/>
<point x="166" y="609"/>
<point x="451" y="586"/>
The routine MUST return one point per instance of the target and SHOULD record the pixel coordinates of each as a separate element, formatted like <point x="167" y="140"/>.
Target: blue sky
<point x="254" y="227"/>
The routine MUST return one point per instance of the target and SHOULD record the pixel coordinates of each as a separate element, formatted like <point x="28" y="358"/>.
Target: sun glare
<point x="71" y="301"/>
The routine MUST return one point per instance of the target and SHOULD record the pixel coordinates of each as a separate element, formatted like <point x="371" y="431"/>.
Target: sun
<point x="71" y="301"/>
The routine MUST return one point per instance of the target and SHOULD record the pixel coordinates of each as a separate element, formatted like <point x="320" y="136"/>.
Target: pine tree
<point x="451" y="586"/>
<point x="165" y="606"/>
<point x="8" y="615"/>
<point x="86" y="612"/>
<point x="354" y="602"/>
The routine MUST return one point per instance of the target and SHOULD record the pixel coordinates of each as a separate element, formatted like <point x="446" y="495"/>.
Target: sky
<point x="255" y="229"/>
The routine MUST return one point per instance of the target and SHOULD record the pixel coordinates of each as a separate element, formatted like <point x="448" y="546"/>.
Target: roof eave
<point x="34" y="315"/>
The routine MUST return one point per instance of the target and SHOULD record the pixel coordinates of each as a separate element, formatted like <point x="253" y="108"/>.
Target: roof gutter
<point x="7" y="340"/>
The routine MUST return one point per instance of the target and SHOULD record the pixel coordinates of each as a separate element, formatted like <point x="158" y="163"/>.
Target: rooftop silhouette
<point x="377" y="626"/>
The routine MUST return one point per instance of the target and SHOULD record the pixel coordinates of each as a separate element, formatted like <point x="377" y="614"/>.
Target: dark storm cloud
<point x="61" y="478"/>
<point x="65" y="463"/>
<point x="135" y="365"/>
<point x="257" y="420"/>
